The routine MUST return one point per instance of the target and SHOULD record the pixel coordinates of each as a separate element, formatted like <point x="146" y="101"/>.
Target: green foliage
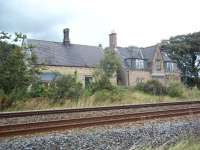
<point x="114" y="95"/>
<point x="110" y="63"/>
<point x="184" y="49"/>
<point x="18" y="94"/>
<point x="191" y="143"/>
<point x="4" y="100"/>
<point x="152" y="87"/>
<point x="38" y="89"/>
<point x="64" y="87"/>
<point x="16" y="69"/>
<point x="102" y="83"/>
<point x="175" y="89"/>
<point x="107" y="68"/>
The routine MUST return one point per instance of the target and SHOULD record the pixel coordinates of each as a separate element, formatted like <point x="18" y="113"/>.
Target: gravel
<point x="117" y="137"/>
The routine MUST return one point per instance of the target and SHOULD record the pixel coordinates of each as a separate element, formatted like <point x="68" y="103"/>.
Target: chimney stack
<point x="66" y="40"/>
<point x="113" y="40"/>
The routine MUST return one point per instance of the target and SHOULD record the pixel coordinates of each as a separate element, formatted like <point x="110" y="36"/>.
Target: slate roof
<point x="148" y="52"/>
<point x="129" y="52"/>
<point x="166" y="56"/>
<point x="136" y="52"/>
<point x="55" y="53"/>
<point x="75" y="55"/>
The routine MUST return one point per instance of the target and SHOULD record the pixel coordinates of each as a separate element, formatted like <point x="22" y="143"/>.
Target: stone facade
<point x="135" y="76"/>
<point x="81" y="72"/>
<point x="157" y="67"/>
<point x="155" y="70"/>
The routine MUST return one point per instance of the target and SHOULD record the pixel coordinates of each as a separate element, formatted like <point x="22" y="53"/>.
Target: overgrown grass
<point x="186" y="145"/>
<point x="117" y="96"/>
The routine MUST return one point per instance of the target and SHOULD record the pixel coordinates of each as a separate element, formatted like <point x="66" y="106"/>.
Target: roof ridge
<point x="43" y="40"/>
<point x="61" y="42"/>
<point x="149" y="46"/>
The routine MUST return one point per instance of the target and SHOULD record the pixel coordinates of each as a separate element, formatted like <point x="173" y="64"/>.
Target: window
<point x="129" y="63"/>
<point x="47" y="76"/>
<point x="139" y="80"/>
<point x="169" y="66"/>
<point x="88" y="81"/>
<point x="158" y="65"/>
<point x="139" y="64"/>
<point x="28" y="52"/>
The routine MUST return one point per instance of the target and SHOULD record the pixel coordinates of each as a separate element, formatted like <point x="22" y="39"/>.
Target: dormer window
<point x="139" y="64"/>
<point x="170" y="67"/>
<point x="133" y="63"/>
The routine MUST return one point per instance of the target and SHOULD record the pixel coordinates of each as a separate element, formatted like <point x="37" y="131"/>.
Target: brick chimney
<point x="66" y="40"/>
<point x="113" y="40"/>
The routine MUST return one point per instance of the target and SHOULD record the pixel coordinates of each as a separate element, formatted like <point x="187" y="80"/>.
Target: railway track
<point x="35" y="127"/>
<point x="74" y="110"/>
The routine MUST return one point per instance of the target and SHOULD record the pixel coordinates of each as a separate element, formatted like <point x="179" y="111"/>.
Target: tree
<point x="16" y="70"/>
<point x="185" y="50"/>
<point x="106" y="69"/>
<point x="65" y="86"/>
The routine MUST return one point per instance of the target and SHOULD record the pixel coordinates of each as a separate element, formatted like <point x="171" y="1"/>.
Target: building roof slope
<point x="56" y="53"/>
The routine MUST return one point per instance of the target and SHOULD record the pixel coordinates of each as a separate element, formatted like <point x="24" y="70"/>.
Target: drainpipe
<point x="128" y="78"/>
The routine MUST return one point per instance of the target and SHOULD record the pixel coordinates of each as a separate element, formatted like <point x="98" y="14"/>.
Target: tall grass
<point x="120" y="95"/>
<point x="117" y="96"/>
<point x="186" y="145"/>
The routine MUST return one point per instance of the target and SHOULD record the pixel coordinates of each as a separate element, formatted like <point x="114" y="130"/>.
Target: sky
<point x="137" y="22"/>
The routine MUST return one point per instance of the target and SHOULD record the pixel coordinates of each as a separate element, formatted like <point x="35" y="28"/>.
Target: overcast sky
<point x="136" y="22"/>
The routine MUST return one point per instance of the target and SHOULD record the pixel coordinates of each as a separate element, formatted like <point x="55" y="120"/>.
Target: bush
<point x="38" y="89"/>
<point x="18" y="94"/>
<point x="64" y="87"/>
<point x="175" y="89"/>
<point x="103" y="83"/>
<point x="4" y="100"/>
<point x="113" y="95"/>
<point x="152" y="87"/>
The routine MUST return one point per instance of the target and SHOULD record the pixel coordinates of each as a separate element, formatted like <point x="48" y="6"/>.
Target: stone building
<point x="65" y="58"/>
<point x="142" y="64"/>
<point x="138" y="64"/>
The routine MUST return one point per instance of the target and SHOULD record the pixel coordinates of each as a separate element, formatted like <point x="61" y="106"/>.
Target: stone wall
<point x="172" y="76"/>
<point x="82" y="72"/>
<point x="135" y="77"/>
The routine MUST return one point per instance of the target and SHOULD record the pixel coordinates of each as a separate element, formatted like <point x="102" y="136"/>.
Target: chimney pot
<point x="66" y="40"/>
<point x="113" y="40"/>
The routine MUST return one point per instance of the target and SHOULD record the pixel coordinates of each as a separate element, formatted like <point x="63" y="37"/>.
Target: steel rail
<point x="19" y="129"/>
<point x="103" y="108"/>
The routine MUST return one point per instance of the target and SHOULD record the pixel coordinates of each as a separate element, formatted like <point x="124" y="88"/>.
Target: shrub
<point x="18" y="94"/>
<point x="64" y="87"/>
<point x="4" y="100"/>
<point x="103" y="83"/>
<point x="38" y="89"/>
<point x="175" y="89"/>
<point x="109" y="95"/>
<point x="152" y="87"/>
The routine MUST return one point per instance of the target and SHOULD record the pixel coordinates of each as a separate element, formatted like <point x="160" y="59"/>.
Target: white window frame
<point x="139" y="64"/>
<point x="170" y="67"/>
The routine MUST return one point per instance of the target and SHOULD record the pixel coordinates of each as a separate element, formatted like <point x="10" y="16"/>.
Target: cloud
<point x="35" y="18"/>
<point x="137" y="22"/>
